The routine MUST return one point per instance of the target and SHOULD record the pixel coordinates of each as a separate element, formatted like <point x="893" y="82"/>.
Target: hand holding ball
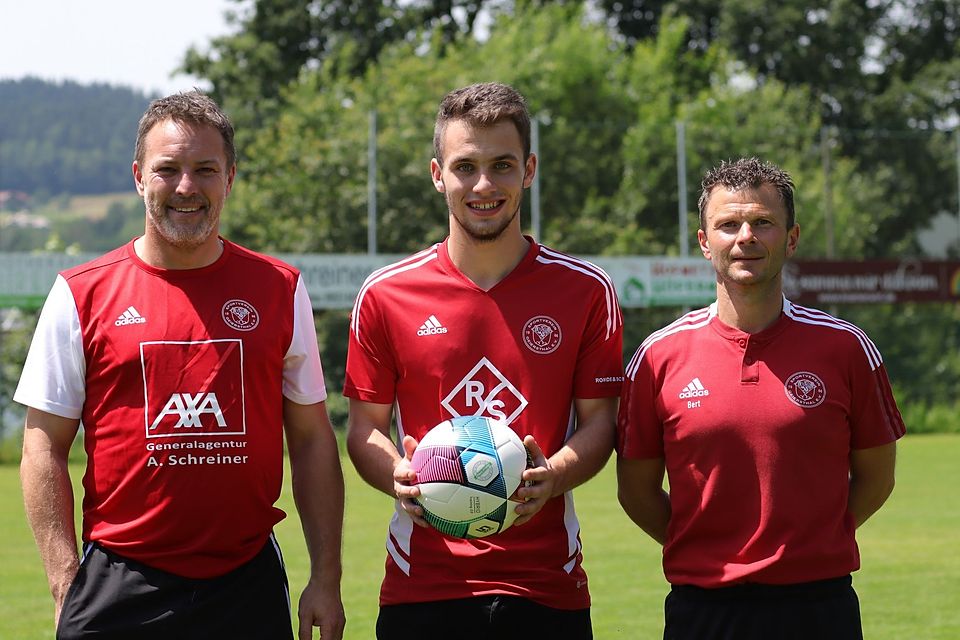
<point x="467" y="468"/>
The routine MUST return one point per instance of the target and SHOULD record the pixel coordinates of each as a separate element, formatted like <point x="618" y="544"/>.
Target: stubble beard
<point x="771" y="276"/>
<point x="179" y="234"/>
<point x="483" y="235"/>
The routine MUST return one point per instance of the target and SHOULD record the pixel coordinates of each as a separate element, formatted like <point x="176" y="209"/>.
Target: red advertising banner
<point x="874" y="281"/>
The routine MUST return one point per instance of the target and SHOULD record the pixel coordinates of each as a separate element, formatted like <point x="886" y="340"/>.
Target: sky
<point x="118" y="42"/>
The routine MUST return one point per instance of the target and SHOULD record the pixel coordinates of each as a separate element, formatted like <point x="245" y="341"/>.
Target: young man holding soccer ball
<point x="487" y="322"/>
<point x="776" y="426"/>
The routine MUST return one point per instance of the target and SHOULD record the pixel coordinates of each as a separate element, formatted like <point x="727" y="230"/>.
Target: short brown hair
<point x="483" y="105"/>
<point x="194" y="107"/>
<point x="747" y="173"/>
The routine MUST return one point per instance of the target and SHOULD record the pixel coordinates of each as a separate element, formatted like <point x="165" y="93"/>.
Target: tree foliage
<point x="278" y="40"/>
<point x="66" y="137"/>
<point x="880" y="70"/>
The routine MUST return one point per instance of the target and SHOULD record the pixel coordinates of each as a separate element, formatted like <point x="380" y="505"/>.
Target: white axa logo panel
<point x="193" y="388"/>
<point x="485" y="391"/>
<point x="189" y="409"/>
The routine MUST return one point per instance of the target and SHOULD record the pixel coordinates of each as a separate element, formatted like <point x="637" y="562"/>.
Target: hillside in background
<point x="67" y="138"/>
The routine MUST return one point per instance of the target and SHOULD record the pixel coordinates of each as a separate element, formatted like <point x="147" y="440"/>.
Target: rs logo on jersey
<point x="485" y="391"/>
<point x="189" y="409"/>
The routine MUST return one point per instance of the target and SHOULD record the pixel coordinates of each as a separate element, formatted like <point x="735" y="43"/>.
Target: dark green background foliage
<point x="67" y="137"/>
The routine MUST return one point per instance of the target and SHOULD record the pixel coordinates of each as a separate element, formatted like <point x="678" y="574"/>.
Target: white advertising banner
<point x="333" y="280"/>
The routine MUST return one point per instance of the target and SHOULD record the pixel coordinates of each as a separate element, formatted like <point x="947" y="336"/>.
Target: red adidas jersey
<point x="428" y="340"/>
<point x="178" y="378"/>
<point x="756" y="431"/>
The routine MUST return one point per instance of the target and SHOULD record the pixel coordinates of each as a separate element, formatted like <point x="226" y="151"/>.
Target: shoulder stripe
<point x="411" y="262"/>
<point x="687" y="322"/>
<point x="614" y="317"/>
<point x="807" y="315"/>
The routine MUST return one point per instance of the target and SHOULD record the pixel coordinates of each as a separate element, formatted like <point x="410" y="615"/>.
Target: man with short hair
<point x="777" y="429"/>
<point x="530" y="336"/>
<point x="186" y="357"/>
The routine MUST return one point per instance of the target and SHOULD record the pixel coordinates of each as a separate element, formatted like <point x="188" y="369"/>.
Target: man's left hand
<point x="537" y="483"/>
<point x="321" y="607"/>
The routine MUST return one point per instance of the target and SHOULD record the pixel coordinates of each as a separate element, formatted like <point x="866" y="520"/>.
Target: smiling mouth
<point x="485" y="206"/>
<point x="186" y="209"/>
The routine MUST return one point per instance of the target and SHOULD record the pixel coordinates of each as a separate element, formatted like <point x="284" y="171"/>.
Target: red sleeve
<point x="875" y="419"/>
<point x="599" y="371"/>
<point x="639" y="428"/>
<point x="371" y="373"/>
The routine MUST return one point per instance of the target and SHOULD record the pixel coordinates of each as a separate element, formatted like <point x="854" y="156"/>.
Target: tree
<point x="882" y="71"/>
<point x="66" y="137"/>
<point x="278" y="40"/>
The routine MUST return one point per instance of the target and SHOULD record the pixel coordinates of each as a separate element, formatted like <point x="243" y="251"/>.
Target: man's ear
<point x="436" y="174"/>
<point x="793" y="238"/>
<point x="137" y="177"/>
<point x="704" y="245"/>
<point x="529" y="170"/>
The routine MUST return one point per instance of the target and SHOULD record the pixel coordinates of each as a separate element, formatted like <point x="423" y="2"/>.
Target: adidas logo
<point x="130" y="316"/>
<point x="431" y="327"/>
<point x="694" y="390"/>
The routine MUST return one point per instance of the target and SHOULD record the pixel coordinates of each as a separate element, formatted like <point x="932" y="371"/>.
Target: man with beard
<point x="776" y="426"/>
<point x="187" y="358"/>
<point x="490" y="323"/>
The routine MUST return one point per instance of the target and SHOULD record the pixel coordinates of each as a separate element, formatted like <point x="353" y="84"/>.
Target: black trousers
<point x="114" y="597"/>
<point x="821" y="610"/>
<point x="482" y="618"/>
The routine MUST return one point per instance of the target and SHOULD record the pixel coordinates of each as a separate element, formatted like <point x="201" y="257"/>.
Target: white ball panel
<point x="456" y="502"/>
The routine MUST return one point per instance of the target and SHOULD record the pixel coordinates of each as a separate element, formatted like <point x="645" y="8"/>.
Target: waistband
<point x="753" y="590"/>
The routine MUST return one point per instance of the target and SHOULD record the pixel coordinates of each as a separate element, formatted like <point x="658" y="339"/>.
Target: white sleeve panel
<point x="302" y="372"/>
<point x="53" y="378"/>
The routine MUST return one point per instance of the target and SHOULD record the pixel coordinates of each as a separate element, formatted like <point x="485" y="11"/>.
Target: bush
<point x="926" y="418"/>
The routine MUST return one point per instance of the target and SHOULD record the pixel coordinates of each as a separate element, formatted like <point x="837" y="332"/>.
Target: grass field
<point x="909" y="587"/>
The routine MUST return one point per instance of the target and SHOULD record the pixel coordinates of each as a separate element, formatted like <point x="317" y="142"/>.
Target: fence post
<point x="682" y="188"/>
<point x="956" y="138"/>
<point x="827" y="190"/>
<point x="535" y="185"/>
<point x="372" y="184"/>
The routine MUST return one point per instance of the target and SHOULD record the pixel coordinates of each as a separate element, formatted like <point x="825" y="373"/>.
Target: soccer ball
<point x="467" y="469"/>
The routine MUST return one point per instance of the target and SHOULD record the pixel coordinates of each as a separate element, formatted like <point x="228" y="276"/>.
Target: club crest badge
<point x="542" y="334"/>
<point x="240" y="315"/>
<point x="805" y="389"/>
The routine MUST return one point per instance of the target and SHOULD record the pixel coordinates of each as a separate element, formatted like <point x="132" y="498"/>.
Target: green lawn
<point x="909" y="586"/>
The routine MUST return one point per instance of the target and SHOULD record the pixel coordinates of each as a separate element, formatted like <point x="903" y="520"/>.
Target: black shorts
<point x="482" y="618"/>
<point x="825" y="610"/>
<point x="115" y="597"/>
